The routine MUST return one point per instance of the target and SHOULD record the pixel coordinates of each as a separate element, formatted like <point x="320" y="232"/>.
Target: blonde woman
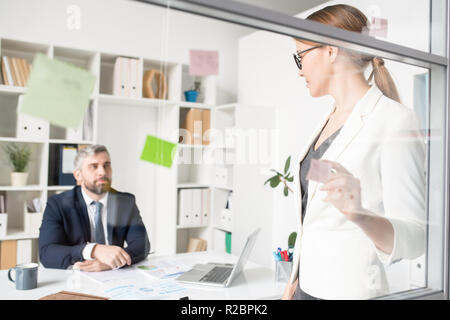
<point x="370" y="212"/>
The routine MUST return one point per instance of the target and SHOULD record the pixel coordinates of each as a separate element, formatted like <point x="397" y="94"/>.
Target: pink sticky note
<point x="203" y="63"/>
<point x="378" y="27"/>
<point x="319" y="171"/>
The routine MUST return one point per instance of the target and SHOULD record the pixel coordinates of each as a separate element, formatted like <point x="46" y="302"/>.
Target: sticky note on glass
<point x="378" y="27"/>
<point x="319" y="171"/>
<point x="159" y="151"/>
<point x="203" y="63"/>
<point x="58" y="92"/>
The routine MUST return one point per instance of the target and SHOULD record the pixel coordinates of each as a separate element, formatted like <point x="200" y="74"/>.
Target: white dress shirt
<point x="87" y="251"/>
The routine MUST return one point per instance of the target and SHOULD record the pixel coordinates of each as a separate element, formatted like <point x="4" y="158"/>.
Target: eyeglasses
<point x="298" y="57"/>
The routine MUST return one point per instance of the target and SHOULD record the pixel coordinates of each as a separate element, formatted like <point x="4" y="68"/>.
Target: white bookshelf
<point x="151" y="116"/>
<point x="23" y="188"/>
<point x="19" y="234"/>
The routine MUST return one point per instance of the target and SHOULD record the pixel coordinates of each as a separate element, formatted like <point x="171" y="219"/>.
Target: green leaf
<point x="286" y="191"/>
<point x="275" y="181"/>
<point x="19" y="156"/>
<point x="268" y="180"/>
<point x="290" y="179"/>
<point x="287" y="165"/>
<point x="291" y="239"/>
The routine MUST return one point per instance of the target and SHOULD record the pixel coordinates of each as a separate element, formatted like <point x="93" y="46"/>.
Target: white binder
<point x="121" y="83"/>
<point x="28" y="127"/>
<point x="220" y="176"/>
<point x="134" y="78"/>
<point x="206" y="202"/>
<point x="185" y="207"/>
<point x="75" y="135"/>
<point x="84" y="131"/>
<point x="226" y="219"/>
<point x="197" y="206"/>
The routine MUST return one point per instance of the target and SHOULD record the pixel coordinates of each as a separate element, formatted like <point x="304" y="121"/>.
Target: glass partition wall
<point x="413" y="162"/>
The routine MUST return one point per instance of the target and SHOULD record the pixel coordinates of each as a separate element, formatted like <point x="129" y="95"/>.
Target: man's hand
<point x="91" y="266"/>
<point x="113" y="256"/>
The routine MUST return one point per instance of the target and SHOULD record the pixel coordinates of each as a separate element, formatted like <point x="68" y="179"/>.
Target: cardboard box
<point x="8" y="254"/>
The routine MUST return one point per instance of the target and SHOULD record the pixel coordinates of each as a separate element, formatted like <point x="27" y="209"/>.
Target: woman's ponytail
<point x="383" y="79"/>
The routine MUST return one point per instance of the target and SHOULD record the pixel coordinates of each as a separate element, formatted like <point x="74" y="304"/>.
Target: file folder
<point x="206" y="202"/>
<point x="197" y="206"/>
<point x="134" y="78"/>
<point x="29" y="127"/>
<point x="185" y="207"/>
<point x="120" y="83"/>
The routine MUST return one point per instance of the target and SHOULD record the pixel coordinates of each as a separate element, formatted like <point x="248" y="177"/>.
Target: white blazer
<point x="381" y="145"/>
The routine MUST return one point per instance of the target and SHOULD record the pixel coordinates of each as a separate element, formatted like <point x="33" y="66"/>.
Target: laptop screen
<point x="244" y="256"/>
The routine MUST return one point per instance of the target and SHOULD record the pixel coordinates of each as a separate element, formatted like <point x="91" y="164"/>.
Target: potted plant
<point x="279" y="177"/>
<point x="274" y="182"/>
<point x="18" y="157"/>
<point x="191" y="95"/>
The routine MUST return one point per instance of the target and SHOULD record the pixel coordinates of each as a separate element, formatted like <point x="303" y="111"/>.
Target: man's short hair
<point x="88" y="151"/>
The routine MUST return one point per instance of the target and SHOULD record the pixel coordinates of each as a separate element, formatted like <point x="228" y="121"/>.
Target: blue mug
<point x="26" y="276"/>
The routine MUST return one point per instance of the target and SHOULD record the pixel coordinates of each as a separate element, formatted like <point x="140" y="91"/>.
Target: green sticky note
<point x="58" y="92"/>
<point x="159" y="151"/>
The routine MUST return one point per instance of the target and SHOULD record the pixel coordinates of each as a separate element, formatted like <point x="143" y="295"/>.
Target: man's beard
<point x="99" y="189"/>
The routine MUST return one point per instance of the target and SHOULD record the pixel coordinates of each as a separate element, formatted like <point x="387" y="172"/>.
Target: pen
<point x="276" y="256"/>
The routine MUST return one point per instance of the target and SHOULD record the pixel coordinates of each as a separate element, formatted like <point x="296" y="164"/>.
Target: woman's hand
<point x="290" y="290"/>
<point x="344" y="192"/>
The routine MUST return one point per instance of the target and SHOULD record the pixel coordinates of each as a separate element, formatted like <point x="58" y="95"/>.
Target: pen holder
<point x="191" y="95"/>
<point x="283" y="270"/>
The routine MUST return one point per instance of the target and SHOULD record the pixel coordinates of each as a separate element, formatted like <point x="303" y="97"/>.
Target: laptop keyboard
<point x="217" y="275"/>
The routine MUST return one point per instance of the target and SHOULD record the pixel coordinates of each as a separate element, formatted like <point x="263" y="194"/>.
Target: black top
<point x="306" y="163"/>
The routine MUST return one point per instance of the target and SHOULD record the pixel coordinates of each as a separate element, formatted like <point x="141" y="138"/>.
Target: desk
<point x="256" y="282"/>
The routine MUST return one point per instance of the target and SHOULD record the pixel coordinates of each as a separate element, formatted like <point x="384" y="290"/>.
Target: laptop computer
<point x="219" y="274"/>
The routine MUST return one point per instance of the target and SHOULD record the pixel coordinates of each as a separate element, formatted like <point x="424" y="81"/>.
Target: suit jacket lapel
<point x="83" y="214"/>
<point x="349" y="131"/>
<point x="112" y="210"/>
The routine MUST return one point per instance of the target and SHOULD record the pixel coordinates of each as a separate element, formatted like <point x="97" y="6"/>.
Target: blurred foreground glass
<point x="422" y="90"/>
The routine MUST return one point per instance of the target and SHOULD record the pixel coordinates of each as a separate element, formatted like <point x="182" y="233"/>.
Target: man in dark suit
<point x="87" y="226"/>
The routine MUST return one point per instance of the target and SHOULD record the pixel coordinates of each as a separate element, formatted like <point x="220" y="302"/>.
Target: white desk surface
<point x="256" y="282"/>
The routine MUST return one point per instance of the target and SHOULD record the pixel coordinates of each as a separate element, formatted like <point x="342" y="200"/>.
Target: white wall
<point x="268" y="75"/>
